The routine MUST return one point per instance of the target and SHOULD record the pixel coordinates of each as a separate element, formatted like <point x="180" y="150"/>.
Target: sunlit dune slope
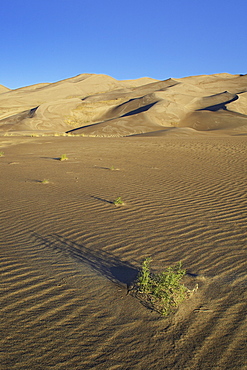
<point x="3" y="89"/>
<point x="99" y="105"/>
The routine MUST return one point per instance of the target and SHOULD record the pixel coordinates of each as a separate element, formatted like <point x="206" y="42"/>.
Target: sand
<point x="99" y="105"/>
<point x="68" y="254"/>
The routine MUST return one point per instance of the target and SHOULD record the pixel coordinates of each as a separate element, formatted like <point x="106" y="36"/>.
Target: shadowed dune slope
<point x="99" y="105"/>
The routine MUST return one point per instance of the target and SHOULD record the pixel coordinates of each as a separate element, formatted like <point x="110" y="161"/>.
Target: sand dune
<point x="175" y="151"/>
<point x="3" y="89"/>
<point x="99" y="105"/>
<point x="239" y="105"/>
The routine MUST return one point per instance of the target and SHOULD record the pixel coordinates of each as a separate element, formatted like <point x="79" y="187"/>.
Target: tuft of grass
<point x="1" y="154"/>
<point x="162" y="292"/>
<point x="118" y="201"/>
<point x="112" y="168"/>
<point x="63" y="157"/>
<point x="45" y="181"/>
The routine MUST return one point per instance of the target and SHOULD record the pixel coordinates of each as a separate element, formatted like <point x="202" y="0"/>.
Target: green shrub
<point x="63" y="157"/>
<point x="112" y="168"/>
<point x="118" y="201"/>
<point x="144" y="278"/>
<point x="162" y="292"/>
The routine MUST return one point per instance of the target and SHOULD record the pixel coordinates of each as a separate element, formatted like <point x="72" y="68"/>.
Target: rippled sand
<point x="68" y="254"/>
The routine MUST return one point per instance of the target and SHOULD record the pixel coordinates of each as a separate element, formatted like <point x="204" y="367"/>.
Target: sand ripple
<point x="68" y="254"/>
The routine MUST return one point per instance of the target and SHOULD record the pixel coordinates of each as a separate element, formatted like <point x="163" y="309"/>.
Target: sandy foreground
<point x="67" y="253"/>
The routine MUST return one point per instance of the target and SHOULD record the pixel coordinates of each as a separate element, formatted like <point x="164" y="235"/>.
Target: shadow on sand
<point x="117" y="271"/>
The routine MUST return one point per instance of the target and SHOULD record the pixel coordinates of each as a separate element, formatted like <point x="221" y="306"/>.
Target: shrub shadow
<point x="114" y="269"/>
<point x="102" y="199"/>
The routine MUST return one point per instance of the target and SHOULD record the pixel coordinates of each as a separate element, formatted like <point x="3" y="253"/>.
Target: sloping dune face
<point x="99" y="105"/>
<point x="3" y="89"/>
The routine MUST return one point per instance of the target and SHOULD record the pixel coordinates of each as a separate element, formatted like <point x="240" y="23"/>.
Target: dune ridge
<point x="99" y="105"/>
<point x="3" y="89"/>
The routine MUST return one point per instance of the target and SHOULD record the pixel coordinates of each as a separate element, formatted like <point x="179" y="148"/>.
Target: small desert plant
<point x="1" y="154"/>
<point x="162" y="292"/>
<point x="118" y="201"/>
<point x="63" y="157"/>
<point x="144" y="278"/>
<point x="45" y="181"/>
<point x="112" y="168"/>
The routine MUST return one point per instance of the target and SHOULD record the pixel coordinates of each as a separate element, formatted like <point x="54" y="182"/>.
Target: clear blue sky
<point x="50" y="40"/>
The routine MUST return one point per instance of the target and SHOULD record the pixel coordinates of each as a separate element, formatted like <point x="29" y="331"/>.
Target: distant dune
<point x="99" y="105"/>
<point x="3" y="89"/>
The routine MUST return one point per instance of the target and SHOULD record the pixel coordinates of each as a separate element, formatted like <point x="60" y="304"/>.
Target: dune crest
<point x="100" y="105"/>
<point x="3" y="89"/>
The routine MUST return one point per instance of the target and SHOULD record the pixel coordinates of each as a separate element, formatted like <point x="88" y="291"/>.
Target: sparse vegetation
<point x="63" y="157"/>
<point x="45" y="181"/>
<point x="89" y="112"/>
<point x="118" y="201"/>
<point x="112" y="168"/>
<point x="1" y="154"/>
<point x="162" y="292"/>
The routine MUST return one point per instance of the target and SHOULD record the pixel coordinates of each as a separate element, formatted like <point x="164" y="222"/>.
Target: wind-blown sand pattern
<point x="68" y="254"/>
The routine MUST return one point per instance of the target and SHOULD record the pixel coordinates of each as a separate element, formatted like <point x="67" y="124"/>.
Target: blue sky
<point x="50" y="40"/>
